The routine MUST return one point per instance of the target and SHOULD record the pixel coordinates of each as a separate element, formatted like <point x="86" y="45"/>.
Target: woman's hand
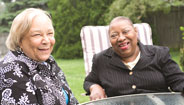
<point x="97" y="92"/>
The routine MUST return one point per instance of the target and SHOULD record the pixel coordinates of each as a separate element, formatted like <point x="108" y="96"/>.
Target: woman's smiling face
<point x="39" y="41"/>
<point x="123" y="38"/>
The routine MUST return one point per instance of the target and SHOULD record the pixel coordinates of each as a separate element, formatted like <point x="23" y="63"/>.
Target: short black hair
<point x="121" y="18"/>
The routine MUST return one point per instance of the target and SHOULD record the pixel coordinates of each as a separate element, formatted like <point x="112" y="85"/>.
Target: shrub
<point x="182" y="49"/>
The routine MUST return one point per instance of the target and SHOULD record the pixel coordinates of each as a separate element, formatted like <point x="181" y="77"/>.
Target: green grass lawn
<point x="75" y="74"/>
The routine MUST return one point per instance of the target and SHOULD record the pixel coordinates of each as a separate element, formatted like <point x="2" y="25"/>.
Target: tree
<point x="13" y="8"/>
<point x="182" y="49"/>
<point x="69" y="16"/>
<point x="139" y="10"/>
<point x="2" y="7"/>
<point x="136" y="10"/>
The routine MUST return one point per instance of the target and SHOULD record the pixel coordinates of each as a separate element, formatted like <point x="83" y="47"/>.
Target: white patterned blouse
<point x="24" y="81"/>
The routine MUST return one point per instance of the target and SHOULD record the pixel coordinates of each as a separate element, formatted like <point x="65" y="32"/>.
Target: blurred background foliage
<point x="69" y="16"/>
<point x="137" y="10"/>
<point x="15" y="7"/>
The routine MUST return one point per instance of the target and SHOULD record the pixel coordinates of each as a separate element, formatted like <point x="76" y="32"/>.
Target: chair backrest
<point x="95" y="39"/>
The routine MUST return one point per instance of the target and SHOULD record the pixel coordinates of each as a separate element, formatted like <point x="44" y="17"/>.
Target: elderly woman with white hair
<point x="29" y="74"/>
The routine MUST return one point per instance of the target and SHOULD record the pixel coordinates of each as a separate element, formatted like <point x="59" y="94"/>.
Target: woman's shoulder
<point x="11" y="64"/>
<point x="157" y="49"/>
<point x="12" y="70"/>
<point x="105" y="53"/>
<point x="8" y="61"/>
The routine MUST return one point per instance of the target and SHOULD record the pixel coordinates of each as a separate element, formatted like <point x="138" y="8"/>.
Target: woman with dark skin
<point x="129" y="67"/>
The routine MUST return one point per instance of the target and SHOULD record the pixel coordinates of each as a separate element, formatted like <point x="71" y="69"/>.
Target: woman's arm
<point x="92" y="83"/>
<point x="174" y="76"/>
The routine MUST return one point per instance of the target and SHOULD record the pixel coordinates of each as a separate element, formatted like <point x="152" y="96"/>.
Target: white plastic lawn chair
<point x="95" y="39"/>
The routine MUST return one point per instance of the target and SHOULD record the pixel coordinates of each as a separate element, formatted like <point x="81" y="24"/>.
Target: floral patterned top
<point x="24" y="81"/>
